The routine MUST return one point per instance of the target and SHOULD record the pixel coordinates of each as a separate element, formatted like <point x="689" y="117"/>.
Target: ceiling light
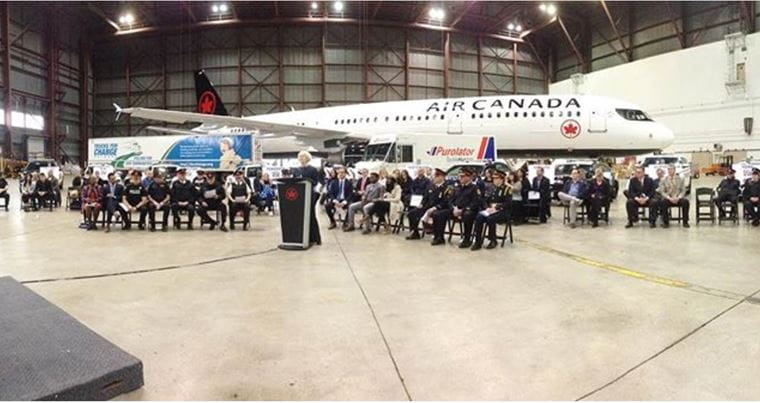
<point x="338" y="6"/>
<point x="551" y="9"/>
<point x="511" y="27"/>
<point x="436" y="13"/>
<point x="518" y="28"/>
<point x="223" y="8"/>
<point x="314" y="5"/>
<point x="127" y="19"/>
<point x="215" y="9"/>
<point x="542" y="7"/>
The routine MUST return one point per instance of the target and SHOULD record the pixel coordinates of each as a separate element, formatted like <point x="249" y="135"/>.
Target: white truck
<point x="744" y="169"/>
<point x="411" y="151"/>
<point x="223" y="153"/>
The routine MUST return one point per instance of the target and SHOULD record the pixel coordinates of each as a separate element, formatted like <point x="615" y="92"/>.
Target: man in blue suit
<point x="339" y="193"/>
<point x="574" y="194"/>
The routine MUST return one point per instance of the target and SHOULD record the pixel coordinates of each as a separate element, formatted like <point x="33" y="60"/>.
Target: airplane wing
<point x="273" y="129"/>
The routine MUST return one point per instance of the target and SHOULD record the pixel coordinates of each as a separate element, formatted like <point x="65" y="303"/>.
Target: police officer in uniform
<point x="752" y="198"/>
<point x="495" y="207"/>
<point x="135" y="199"/>
<point x="183" y="198"/>
<point x="159" y="199"/>
<point x="211" y="197"/>
<point x="312" y="174"/>
<point x="239" y="197"/>
<point x="433" y="199"/>
<point x="463" y="205"/>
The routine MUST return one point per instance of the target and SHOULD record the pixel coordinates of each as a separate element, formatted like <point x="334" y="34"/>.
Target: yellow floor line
<point x="636" y="274"/>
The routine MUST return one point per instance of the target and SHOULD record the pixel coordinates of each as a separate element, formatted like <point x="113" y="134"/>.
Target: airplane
<point x="523" y="125"/>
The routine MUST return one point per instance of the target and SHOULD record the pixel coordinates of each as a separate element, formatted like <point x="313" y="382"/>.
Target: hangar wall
<point x="45" y="82"/>
<point x="262" y="69"/>
<point x="687" y="91"/>
<point x="646" y="30"/>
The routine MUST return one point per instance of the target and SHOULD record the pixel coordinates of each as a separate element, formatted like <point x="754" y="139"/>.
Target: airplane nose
<point x="662" y="136"/>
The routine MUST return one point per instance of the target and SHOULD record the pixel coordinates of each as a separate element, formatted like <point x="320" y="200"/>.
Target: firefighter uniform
<point x="465" y="200"/>
<point x="498" y="198"/>
<point x="433" y="199"/>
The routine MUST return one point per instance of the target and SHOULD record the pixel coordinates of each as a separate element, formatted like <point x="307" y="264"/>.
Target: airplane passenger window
<point x="442" y="116"/>
<point x="419" y="117"/>
<point x="506" y="114"/>
<point x="481" y="116"/>
<point x="427" y="117"/>
<point x="525" y="114"/>
<point x="542" y="114"/>
<point x="578" y="114"/>
<point x="376" y="119"/>
<point x="354" y="120"/>
<point x="387" y="118"/>
<point x="473" y="116"/>
<point x="551" y="114"/>
<point x="396" y="118"/>
<point x="559" y="113"/>
<point x="489" y="115"/>
<point x="403" y="118"/>
<point x="498" y="114"/>
<point x="534" y="114"/>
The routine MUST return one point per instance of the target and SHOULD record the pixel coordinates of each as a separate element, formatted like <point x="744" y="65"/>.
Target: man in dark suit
<point x="728" y="190"/>
<point x="641" y="192"/>
<point x="421" y="183"/>
<point x="339" y="192"/>
<point x="433" y="200"/>
<point x="112" y="193"/>
<point x="541" y="185"/>
<point x="464" y="205"/>
<point x="752" y="198"/>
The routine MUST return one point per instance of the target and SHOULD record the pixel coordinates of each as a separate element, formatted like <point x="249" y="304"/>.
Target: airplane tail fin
<point x="208" y="100"/>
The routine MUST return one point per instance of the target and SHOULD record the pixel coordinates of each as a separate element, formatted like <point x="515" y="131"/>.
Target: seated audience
<point x="373" y="192"/>
<point x="672" y="192"/>
<point x="463" y="206"/>
<point x="4" y="191"/>
<point x="211" y="198"/>
<point x="134" y="200"/>
<point x="495" y="209"/>
<point x="92" y="199"/>
<point x="339" y="193"/>
<point x="728" y="190"/>
<point x="265" y="194"/>
<point x="42" y="191"/>
<point x="28" y="185"/>
<point x="405" y="182"/>
<point x="112" y="193"/>
<point x="55" y="191"/>
<point x="159" y="198"/>
<point x="641" y="191"/>
<point x="421" y="183"/>
<point x="434" y="199"/>
<point x="239" y="199"/>
<point x="182" y="198"/>
<point x="390" y="205"/>
<point x="599" y="192"/>
<point x="574" y="194"/>
<point x="541" y="185"/>
<point x="752" y="198"/>
<point x="361" y="185"/>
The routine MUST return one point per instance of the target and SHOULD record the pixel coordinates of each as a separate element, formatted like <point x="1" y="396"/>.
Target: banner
<point x="223" y="152"/>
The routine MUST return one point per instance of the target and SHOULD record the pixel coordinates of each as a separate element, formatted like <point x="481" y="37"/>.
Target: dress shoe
<point x="413" y="236"/>
<point x="437" y="242"/>
<point x="332" y="226"/>
<point x="594" y="224"/>
<point x="629" y="225"/>
<point x="476" y="246"/>
<point x="755" y="223"/>
<point x="349" y="228"/>
<point x="686" y="225"/>
<point x="666" y="225"/>
<point x="491" y="245"/>
<point x="464" y="245"/>
<point x="652" y="225"/>
<point x="222" y="228"/>
<point x="108" y="229"/>
<point x="164" y="229"/>
<point x="152" y="229"/>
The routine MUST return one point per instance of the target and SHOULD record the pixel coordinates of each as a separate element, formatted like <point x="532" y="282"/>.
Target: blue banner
<point x="211" y="152"/>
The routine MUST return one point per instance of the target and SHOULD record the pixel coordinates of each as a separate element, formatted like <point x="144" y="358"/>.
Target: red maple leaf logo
<point x="571" y="129"/>
<point x="291" y="194"/>
<point x="207" y="103"/>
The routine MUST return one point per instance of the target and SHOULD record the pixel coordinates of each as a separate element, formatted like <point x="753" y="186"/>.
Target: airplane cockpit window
<point x="376" y="152"/>
<point x="633" y="114"/>
<point x="659" y="161"/>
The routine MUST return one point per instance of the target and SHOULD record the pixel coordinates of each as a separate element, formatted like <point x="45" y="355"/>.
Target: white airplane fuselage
<point x="521" y="124"/>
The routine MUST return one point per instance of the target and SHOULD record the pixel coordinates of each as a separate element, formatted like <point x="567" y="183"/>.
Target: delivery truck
<point x="223" y="153"/>
<point x="410" y="151"/>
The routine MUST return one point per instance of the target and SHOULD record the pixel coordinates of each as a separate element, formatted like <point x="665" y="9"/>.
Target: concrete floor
<point x="602" y="313"/>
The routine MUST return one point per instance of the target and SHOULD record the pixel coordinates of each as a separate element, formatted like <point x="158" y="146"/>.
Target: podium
<point x="295" y="212"/>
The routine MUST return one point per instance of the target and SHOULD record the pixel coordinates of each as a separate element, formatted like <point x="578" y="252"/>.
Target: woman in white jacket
<point x="390" y="205"/>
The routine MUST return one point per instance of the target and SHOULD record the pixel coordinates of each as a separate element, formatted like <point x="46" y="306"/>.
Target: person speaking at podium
<point x="312" y="174"/>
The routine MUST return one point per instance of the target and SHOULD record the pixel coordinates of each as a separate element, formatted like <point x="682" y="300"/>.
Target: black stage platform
<point x="45" y="354"/>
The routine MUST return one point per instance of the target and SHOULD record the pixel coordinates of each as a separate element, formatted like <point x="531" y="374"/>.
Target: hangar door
<point x="597" y="121"/>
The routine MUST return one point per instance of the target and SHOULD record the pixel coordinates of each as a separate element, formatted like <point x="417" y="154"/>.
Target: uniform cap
<point x="439" y="172"/>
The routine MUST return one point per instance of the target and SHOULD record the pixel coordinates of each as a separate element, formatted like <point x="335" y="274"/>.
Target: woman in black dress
<point x="312" y="174"/>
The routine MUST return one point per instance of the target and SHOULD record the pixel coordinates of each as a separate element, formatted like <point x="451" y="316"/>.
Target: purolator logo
<point x="440" y="151"/>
